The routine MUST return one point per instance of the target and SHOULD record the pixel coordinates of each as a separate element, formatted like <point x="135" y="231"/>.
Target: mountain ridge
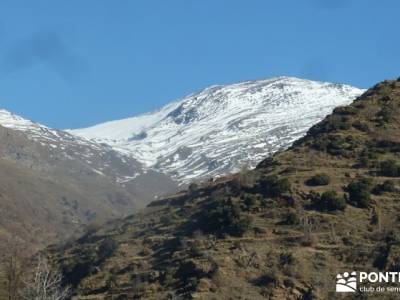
<point x="56" y="184"/>
<point x="211" y="132"/>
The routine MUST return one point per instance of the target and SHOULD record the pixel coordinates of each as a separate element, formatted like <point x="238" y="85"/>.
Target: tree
<point x="292" y="218"/>
<point x="272" y="186"/>
<point x="45" y="284"/>
<point x="331" y="201"/>
<point x="359" y="192"/>
<point x="222" y="217"/>
<point x="249" y="201"/>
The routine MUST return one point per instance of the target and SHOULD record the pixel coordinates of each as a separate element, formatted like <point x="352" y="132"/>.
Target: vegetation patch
<point x="331" y="124"/>
<point x="390" y="168"/>
<point x="386" y="114"/>
<point x="345" y="110"/>
<point x="319" y="179"/>
<point x="361" y="126"/>
<point x="220" y="218"/>
<point x="329" y="201"/>
<point x="387" y="186"/>
<point x="360" y="192"/>
<point x="291" y="218"/>
<point x="273" y="187"/>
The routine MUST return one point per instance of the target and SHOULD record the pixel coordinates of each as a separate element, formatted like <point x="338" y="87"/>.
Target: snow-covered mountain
<point x="220" y="129"/>
<point x="99" y="158"/>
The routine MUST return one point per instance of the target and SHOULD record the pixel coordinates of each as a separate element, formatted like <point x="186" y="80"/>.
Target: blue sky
<point x="74" y="63"/>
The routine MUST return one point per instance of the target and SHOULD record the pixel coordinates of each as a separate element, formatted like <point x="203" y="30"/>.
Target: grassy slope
<point x="292" y="249"/>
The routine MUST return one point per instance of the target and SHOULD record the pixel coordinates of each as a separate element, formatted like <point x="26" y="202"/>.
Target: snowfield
<point x="221" y="128"/>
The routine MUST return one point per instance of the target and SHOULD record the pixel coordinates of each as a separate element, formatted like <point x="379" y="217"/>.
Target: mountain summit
<point x="221" y="128"/>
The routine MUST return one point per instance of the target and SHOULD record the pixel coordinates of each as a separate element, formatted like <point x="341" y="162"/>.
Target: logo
<point x="346" y="283"/>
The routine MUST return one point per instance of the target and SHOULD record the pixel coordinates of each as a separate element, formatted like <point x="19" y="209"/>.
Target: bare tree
<point x="14" y="257"/>
<point x="247" y="178"/>
<point x="45" y="284"/>
<point x="308" y="239"/>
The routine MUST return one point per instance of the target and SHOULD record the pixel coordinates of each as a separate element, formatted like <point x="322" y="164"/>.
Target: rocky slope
<point x="327" y="205"/>
<point x="220" y="129"/>
<point x="53" y="183"/>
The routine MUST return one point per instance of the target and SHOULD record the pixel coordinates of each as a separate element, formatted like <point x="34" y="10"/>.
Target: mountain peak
<point x="10" y="120"/>
<point x="218" y="129"/>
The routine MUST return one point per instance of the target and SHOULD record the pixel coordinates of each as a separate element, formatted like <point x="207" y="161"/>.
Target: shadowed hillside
<point x="329" y="204"/>
<point x="53" y="184"/>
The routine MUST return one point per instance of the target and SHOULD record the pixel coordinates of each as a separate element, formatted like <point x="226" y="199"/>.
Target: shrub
<point x="319" y="179"/>
<point x="221" y="217"/>
<point x="107" y="248"/>
<point x="272" y="186"/>
<point x="361" y="199"/>
<point x="386" y="186"/>
<point x="287" y="258"/>
<point x="193" y="188"/>
<point x="384" y="146"/>
<point x="363" y="162"/>
<point x="385" y="99"/>
<point x="338" y="146"/>
<point x="267" y="279"/>
<point x="331" y="201"/>
<point x="189" y="272"/>
<point x="241" y="226"/>
<point x="195" y="248"/>
<point x="292" y="218"/>
<point x="367" y="158"/>
<point x="165" y="220"/>
<point x="320" y="144"/>
<point x="359" y="192"/>
<point x="386" y="113"/>
<point x="331" y="123"/>
<point x="310" y="294"/>
<point x="361" y="126"/>
<point x="390" y="168"/>
<point x="345" y="110"/>
<point x="249" y="201"/>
